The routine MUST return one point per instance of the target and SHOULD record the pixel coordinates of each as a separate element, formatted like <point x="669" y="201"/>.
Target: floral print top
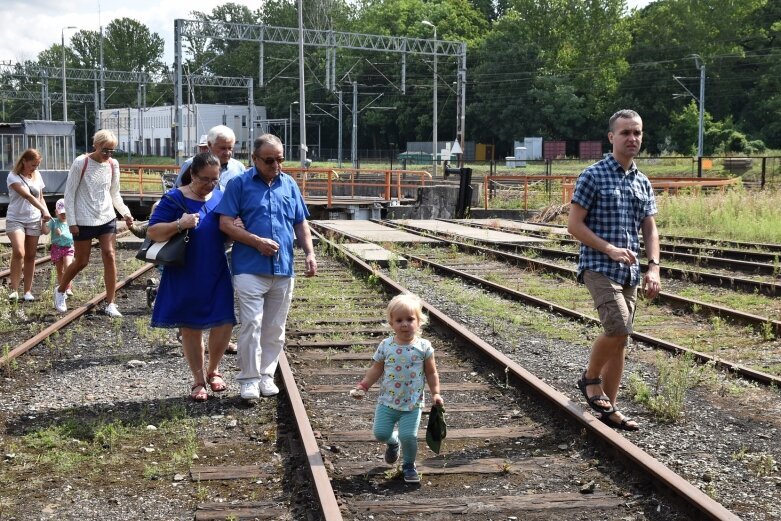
<point x="404" y="378"/>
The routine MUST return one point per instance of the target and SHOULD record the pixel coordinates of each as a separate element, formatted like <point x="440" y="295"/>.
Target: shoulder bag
<point x="166" y="253"/>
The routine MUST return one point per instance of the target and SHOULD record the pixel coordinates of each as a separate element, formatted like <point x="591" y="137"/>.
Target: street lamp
<point x="64" y="84"/>
<point x="434" y="136"/>
<point x="290" y="124"/>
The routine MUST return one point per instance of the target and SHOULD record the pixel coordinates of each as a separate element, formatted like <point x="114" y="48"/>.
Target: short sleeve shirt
<point x="617" y="201"/>
<point x="404" y="377"/>
<point x="19" y="208"/>
<point x="267" y="211"/>
<point x="64" y="238"/>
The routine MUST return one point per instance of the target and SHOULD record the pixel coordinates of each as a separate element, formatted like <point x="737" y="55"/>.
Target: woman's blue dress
<point x="198" y="295"/>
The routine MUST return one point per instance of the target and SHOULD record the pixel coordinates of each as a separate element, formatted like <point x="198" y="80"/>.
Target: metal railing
<point x="315" y="183"/>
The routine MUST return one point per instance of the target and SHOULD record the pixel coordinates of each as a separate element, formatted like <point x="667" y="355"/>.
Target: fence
<point x="323" y="184"/>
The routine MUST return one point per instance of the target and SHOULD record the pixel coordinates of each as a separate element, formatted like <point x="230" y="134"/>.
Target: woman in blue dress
<point x="199" y="295"/>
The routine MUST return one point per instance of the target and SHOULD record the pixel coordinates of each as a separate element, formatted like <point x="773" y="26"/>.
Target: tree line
<point x="550" y="68"/>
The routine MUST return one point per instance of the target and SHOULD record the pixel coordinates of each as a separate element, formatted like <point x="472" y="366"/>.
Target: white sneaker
<point x="13" y="296"/>
<point x="28" y="297"/>
<point x="249" y="390"/>
<point x="59" y="301"/>
<point x="267" y="387"/>
<point x="69" y="292"/>
<point x="112" y="311"/>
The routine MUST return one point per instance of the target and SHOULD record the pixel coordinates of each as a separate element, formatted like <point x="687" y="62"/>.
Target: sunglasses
<point x="108" y="151"/>
<point x="271" y="160"/>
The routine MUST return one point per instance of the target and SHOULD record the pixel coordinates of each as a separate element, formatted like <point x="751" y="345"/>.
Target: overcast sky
<point x="31" y="26"/>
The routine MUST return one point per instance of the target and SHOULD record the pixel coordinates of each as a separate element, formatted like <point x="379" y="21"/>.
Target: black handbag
<point x="172" y="252"/>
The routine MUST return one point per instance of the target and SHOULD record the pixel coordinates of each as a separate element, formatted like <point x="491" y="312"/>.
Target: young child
<point x="62" y="242"/>
<point x="406" y="362"/>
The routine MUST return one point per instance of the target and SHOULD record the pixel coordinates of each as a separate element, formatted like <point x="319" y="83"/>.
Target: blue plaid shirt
<point x="617" y="201"/>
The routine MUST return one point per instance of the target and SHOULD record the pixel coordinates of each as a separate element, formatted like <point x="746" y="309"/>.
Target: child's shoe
<point x="28" y="297"/>
<point x="392" y="453"/>
<point x="13" y="296"/>
<point x="410" y="473"/>
<point x="69" y="291"/>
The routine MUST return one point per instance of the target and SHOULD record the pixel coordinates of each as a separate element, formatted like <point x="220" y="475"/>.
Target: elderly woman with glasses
<point x="91" y="197"/>
<point x="199" y="295"/>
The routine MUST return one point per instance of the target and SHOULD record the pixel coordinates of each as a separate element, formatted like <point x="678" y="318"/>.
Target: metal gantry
<point x="329" y="40"/>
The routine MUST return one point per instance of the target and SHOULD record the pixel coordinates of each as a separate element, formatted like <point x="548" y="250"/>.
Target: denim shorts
<point x="32" y="229"/>
<point x="87" y="233"/>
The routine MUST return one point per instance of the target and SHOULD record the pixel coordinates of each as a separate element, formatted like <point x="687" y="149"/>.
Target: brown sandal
<point x="198" y="392"/>
<point x="216" y="382"/>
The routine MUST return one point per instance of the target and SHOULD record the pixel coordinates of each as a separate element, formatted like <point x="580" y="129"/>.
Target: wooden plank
<point x="348" y="371"/>
<point x="439" y="467"/>
<point x="452" y="434"/>
<point x="345" y="388"/>
<point x="344" y="344"/>
<point x="328" y="320"/>
<point x="206" y="473"/>
<point x="482" y="504"/>
<point x="369" y="406"/>
<point x="352" y="355"/>
<point x="249" y="510"/>
<point x="326" y="331"/>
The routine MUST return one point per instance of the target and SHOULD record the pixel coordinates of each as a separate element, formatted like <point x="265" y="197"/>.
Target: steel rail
<point x="667" y="247"/>
<point x="737" y="244"/>
<point x="684" y="490"/>
<point x="743" y="370"/>
<point x="320" y="479"/>
<point x="67" y="319"/>
<point x="668" y="298"/>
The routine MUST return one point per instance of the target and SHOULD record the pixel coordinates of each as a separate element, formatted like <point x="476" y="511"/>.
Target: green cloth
<point x="436" y="431"/>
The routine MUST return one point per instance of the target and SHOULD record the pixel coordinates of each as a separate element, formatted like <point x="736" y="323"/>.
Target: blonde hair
<point x="104" y="136"/>
<point x="407" y="302"/>
<point x="28" y="155"/>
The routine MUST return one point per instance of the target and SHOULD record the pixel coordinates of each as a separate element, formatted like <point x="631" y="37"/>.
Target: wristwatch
<point x="653" y="261"/>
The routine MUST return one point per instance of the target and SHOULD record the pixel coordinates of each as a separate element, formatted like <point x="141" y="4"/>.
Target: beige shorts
<point x="32" y="229"/>
<point x="614" y="302"/>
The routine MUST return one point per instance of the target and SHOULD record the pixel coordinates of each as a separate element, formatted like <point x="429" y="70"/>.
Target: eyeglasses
<point x="271" y="160"/>
<point x="206" y="180"/>
<point x="108" y="151"/>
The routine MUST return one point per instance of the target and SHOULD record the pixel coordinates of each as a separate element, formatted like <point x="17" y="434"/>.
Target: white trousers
<point x="264" y="302"/>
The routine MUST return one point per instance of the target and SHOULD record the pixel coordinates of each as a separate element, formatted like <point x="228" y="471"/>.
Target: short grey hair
<point x="220" y="132"/>
<point x="265" y="139"/>
<point x="623" y="113"/>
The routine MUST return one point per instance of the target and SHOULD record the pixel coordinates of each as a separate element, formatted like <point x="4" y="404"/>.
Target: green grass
<point x="735" y="215"/>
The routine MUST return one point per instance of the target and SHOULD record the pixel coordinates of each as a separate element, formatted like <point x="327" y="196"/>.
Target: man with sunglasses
<point x="219" y="141"/>
<point x="273" y="212"/>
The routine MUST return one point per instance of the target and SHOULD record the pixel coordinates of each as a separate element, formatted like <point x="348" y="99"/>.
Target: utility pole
<point x="434" y="133"/>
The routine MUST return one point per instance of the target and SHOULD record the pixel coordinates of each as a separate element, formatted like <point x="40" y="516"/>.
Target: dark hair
<point x="265" y="139"/>
<point x="623" y="113"/>
<point x="199" y="162"/>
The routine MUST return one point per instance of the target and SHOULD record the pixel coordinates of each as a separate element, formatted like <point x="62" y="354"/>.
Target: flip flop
<point x="583" y="382"/>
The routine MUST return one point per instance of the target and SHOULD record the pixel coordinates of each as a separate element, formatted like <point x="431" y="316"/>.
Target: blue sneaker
<point x="410" y="473"/>
<point x="392" y="453"/>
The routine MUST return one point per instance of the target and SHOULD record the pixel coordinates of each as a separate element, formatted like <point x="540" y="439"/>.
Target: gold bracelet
<point x="178" y="226"/>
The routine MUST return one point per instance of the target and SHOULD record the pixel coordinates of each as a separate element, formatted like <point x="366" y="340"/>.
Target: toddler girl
<point x="405" y="362"/>
<point x="62" y="243"/>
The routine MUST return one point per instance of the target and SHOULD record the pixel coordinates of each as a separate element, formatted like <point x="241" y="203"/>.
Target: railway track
<point x="516" y="445"/>
<point x="746" y="270"/>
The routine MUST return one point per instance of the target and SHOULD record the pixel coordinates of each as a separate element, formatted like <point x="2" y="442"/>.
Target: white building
<point x="156" y="134"/>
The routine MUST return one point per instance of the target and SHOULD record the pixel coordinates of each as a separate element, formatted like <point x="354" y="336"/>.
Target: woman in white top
<point x="26" y="213"/>
<point x="91" y="195"/>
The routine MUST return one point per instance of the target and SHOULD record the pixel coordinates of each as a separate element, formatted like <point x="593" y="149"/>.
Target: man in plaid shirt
<point x="612" y="201"/>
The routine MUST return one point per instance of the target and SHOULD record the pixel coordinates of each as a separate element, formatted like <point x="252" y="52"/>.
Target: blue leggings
<point x="409" y="421"/>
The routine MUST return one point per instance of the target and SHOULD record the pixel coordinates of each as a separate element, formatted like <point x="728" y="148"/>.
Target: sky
<point x="31" y="26"/>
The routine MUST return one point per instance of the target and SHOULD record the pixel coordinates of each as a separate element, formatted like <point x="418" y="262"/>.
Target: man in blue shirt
<point x="271" y="208"/>
<point x="220" y="141"/>
<point x="612" y="201"/>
